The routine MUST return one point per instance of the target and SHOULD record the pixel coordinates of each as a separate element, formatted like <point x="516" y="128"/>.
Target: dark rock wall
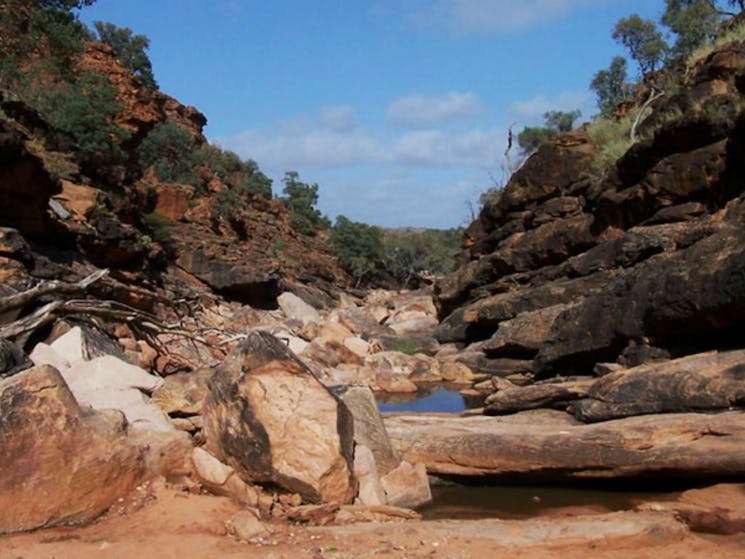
<point x="649" y="253"/>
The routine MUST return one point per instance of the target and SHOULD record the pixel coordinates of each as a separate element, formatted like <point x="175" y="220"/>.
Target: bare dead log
<point x="157" y="332"/>
<point x="654" y="94"/>
<point x="55" y="287"/>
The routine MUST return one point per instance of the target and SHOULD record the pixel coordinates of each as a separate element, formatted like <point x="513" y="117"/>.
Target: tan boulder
<point x="331" y="331"/>
<point x="412" y="321"/>
<point x="44" y="354"/>
<point x="295" y="308"/>
<point x="60" y="464"/>
<point x="183" y="393"/>
<point x="269" y="418"/>
<point x="108" y="382"/>
<point x="105" y="382"/>
<point x="221" y="479"/>
<point x="246" y="526"/>
<point x="358" y="346"/>
<point x="167" y="453"/>
<point x="369" y="429"/>
<point x="393" y="384"/>
<point x="395" y="364"/>
<point x="379" y="313"/>
<point x="77" y="199"/>
<point x="453" y="371"/>
<point x="362" y="322"/>
<point x="330" y="353"/>
<point x="407" y="486"/>
<point x="371" y="491"/>
<point x="71" y="345"/>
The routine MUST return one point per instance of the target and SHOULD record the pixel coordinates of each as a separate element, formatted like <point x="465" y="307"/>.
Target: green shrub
<point x="244" y="176"/>
<point x="170" y="150"/>
<point x="357" y="246"/>
<point x="160" y="228"/>
<point x="59" y="164"/>
<point x="129" y="49"/>
<point x="301" y="198"/>
<point x="611" y="138"/>
<point x="734" y="34"/>
<point x="46" y="27"/>
<point x="491" y="196"/>
<point x="84" y="109"/>
<point x="409" y="253"/>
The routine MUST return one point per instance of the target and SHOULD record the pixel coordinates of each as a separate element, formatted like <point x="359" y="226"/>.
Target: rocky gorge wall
<point x="575" y="266"/>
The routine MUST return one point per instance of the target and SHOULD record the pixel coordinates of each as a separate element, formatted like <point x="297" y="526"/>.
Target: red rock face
<point x="142" y="108"/>
<point x="25" y="185"/>
<point x="173" y="200"/>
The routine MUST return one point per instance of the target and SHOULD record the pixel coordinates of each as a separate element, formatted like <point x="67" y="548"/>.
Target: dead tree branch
<point x="48" y="288"/>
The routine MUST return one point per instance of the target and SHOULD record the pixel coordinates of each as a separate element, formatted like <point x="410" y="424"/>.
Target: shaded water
<point x="455" y="501"/>
<point x="525" y="501"/>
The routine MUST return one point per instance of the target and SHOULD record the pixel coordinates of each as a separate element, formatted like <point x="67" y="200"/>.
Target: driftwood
<point x="143" y="324"/>
<point x="49" y="288"/>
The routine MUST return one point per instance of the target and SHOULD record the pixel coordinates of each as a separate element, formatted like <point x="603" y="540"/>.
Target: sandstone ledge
<point x="551" y="446"/>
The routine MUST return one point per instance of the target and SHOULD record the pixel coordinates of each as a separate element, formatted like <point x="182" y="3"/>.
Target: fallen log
<point x="54" y="287"/>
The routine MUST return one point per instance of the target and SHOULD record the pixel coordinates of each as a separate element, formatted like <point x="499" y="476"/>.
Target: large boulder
<point x="61" y="464"/>
<point x="297" y="309"/>
<point x="269" y="418"/>
<point x="107" y="382"/>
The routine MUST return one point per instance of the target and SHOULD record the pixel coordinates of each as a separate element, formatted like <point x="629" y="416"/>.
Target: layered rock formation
<point x="644" y="260"/>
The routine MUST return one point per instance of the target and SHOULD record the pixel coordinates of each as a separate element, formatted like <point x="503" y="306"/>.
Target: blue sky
<point x="398" y="109"/>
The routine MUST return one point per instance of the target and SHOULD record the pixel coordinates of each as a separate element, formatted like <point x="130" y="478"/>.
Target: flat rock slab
<point x="640" y="526"/>
<point x="546" y="446"/>
<point x="697" y="382"/>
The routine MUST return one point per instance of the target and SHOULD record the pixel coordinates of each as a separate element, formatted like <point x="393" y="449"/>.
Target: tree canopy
<point x="129" y="49"/>
<point x="643" y="40"/>
<point x="301" y="198"/>
<point x="610" y="86"/>
<point x="531" y="137"/>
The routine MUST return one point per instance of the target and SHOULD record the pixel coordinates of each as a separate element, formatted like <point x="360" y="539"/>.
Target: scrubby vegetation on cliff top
<point x="663" y="55"/>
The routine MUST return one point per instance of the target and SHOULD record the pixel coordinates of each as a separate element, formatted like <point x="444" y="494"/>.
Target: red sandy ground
<point x="179" y="525"/>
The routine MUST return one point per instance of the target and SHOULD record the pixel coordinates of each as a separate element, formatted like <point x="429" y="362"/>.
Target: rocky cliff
<point x="99" y="216"/>
<point x="578" y="264"/>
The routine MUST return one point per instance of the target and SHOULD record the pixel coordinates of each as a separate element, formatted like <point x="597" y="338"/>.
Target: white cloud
<point x="339" y="118"/>
<point x="322" y="148"/>
<point x="314" y="147"/>
<point x="489" y="16"/>
<point x="436" y="148"/>
<point x="533" y="109"/>
<point x="421" y="111"/>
